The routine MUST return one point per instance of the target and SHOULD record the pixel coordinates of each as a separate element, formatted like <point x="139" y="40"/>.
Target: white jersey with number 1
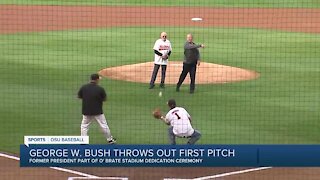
<point x="179" y="118"/>
<point x="163" y="47"/>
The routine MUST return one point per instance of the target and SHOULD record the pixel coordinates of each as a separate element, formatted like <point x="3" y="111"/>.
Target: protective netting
<point x="257" y="81"/>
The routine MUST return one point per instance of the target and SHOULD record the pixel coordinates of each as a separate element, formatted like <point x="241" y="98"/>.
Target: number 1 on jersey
<point x="177" y="115"/>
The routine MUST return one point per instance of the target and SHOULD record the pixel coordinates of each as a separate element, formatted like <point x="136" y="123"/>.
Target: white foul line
<point x="224" y="174"/>
<point x="200" y="178"/>
<point x="55" y="168"/>
<point x="9" y="157"/>
<point x="232" y="173"/>
<point x="104" y="178"/>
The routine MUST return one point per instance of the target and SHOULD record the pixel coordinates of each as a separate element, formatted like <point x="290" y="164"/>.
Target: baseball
<point x="160" y="94"/>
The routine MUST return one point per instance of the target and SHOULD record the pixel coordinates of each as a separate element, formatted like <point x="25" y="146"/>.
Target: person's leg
<point x="192" y="72"/>
<point x="183" y="75"/>
<point x="154" y="75"/>
<point x="194" y="137"/>
<point x="172" y="137"/>
<point x="85" y="124"/>
<point x="101" y="119"/>
<point x="163" y="75"/>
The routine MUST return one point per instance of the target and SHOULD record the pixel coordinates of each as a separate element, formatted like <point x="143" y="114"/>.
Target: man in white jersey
<point x="179" y="121"/>
<point x="162" y="50"/>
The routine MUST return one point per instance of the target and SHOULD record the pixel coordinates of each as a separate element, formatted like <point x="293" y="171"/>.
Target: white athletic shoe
<point x="112" y="141"/>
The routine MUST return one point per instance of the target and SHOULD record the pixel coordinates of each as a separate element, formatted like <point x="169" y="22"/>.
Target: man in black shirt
<point x="93" y="96"/>
<point x="191" y="60"/>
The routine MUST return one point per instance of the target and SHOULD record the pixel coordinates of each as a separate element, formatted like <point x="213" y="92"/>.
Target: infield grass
<point x="205" y="3"/>
<point x="41" y="73"/>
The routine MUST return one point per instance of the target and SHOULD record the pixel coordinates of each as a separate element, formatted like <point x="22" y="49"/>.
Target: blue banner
<point x="169" y="156"/>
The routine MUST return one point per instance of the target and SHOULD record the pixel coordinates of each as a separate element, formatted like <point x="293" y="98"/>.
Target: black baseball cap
<point x="172" y="103"/>
<point x="94" y="77"/>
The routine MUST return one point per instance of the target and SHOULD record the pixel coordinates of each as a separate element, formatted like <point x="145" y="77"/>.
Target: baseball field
<point x="49" y="49"/>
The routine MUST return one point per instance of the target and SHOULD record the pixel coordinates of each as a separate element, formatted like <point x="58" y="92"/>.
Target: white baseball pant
<point x="101" y="119"/>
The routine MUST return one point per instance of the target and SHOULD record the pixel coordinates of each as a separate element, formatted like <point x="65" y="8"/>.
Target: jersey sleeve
<point x="80" y="93"/>
<point x="103" y="94"/>
<point x="198" y="55"/>
<point x="188" y="45"/>
<point x="156" y="45"/>
<point x="168" y="118"/>
<point x="157" y="52"/>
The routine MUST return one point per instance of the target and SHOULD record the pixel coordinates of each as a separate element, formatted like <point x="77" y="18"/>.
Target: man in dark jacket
<point x="93" y="96"/>
<point x="191" y="60"/>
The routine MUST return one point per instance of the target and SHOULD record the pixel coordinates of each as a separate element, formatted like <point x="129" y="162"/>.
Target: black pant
<point x="191" y="69"/>
<point x="155" y="72"/>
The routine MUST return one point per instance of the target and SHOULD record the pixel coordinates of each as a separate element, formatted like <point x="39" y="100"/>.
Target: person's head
<point x="95" y="78"/>
<point x="189" y="37"/>
<point x="172" y="103"/>
<point x="163" y="36"/>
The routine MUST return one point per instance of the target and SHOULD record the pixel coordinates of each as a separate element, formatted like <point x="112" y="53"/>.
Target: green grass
<point x="41" y="73"/>
<point x="205" y="3"/>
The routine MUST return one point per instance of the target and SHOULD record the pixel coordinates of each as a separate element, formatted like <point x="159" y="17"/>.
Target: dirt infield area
<point x="207" y="73"/>
<point x="10" y="170"/>
<point x="17" y="19"/>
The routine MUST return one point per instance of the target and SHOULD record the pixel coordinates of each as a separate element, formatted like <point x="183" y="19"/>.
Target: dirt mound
<point x="207" y="73"/>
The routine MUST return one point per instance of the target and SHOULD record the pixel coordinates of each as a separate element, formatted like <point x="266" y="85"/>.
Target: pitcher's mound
<point x="207" y="73"/>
